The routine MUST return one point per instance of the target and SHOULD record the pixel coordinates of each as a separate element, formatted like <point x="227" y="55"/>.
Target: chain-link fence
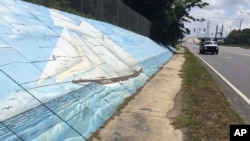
<point x="114" y="12"/>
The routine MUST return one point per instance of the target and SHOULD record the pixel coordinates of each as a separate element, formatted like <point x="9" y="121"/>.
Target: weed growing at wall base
<point x="206" y="113"/>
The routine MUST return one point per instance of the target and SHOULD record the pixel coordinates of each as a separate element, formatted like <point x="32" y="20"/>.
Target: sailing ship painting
<point x="61" y="77"/>
<point x="84" y="54"/>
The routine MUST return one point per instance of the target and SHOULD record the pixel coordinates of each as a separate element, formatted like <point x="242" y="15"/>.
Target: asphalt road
<point x="233" y="64"/>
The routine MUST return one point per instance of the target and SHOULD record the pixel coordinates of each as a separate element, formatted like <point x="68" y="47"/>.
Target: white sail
<point x="82" y="52"/>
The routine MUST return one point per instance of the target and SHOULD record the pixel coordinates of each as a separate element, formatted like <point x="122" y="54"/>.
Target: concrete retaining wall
<point x="44" y="51"/>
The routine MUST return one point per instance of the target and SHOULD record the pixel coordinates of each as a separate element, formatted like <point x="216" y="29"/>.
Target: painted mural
<point x="62" y="76"/>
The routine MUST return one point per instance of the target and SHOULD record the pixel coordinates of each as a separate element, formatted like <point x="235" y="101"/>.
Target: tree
<point x="167" y="16"/>
<point x="57" y="4"/>
<point x="239" y="37"/>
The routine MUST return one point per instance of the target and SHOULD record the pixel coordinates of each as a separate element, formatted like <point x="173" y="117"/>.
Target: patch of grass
<point x="206" y="113"/>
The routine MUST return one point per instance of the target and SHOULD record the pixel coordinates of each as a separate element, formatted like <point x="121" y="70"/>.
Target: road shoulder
<point x="146" y="116"/>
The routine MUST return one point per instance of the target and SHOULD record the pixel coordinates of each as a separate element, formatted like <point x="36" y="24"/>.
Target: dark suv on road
<point x="209" y="46"/>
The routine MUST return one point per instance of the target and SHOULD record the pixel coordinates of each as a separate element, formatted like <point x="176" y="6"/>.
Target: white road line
<point x="225" y="80"/>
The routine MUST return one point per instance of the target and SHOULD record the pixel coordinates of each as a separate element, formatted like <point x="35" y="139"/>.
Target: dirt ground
<point x="147" y="116"/>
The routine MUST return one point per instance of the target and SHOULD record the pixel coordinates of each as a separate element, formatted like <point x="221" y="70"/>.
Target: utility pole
<point x="248" y="13"/>
<point x="241" y="22"/>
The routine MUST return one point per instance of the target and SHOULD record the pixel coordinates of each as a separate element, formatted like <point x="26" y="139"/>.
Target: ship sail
<point x="83" y="53"/>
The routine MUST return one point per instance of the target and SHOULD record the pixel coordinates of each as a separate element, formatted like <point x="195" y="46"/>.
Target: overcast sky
<point x="220" y="12"/>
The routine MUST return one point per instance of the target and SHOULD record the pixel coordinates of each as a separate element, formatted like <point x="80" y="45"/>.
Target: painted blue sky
<point x="229" y="13"/>
<point x="42" y="51"/>
<point x="49" y="63"/>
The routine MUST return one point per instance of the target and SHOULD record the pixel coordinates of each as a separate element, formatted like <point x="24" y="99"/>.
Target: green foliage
<point x="239" y="37"/>
<point x="57" y="4"/>
<point x="167" y="16"/>
<point x="63" y="5"/>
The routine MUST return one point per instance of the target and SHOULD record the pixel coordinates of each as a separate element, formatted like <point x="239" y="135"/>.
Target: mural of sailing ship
<point x="85" y="53"/>
<point x="62" y="76"/>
